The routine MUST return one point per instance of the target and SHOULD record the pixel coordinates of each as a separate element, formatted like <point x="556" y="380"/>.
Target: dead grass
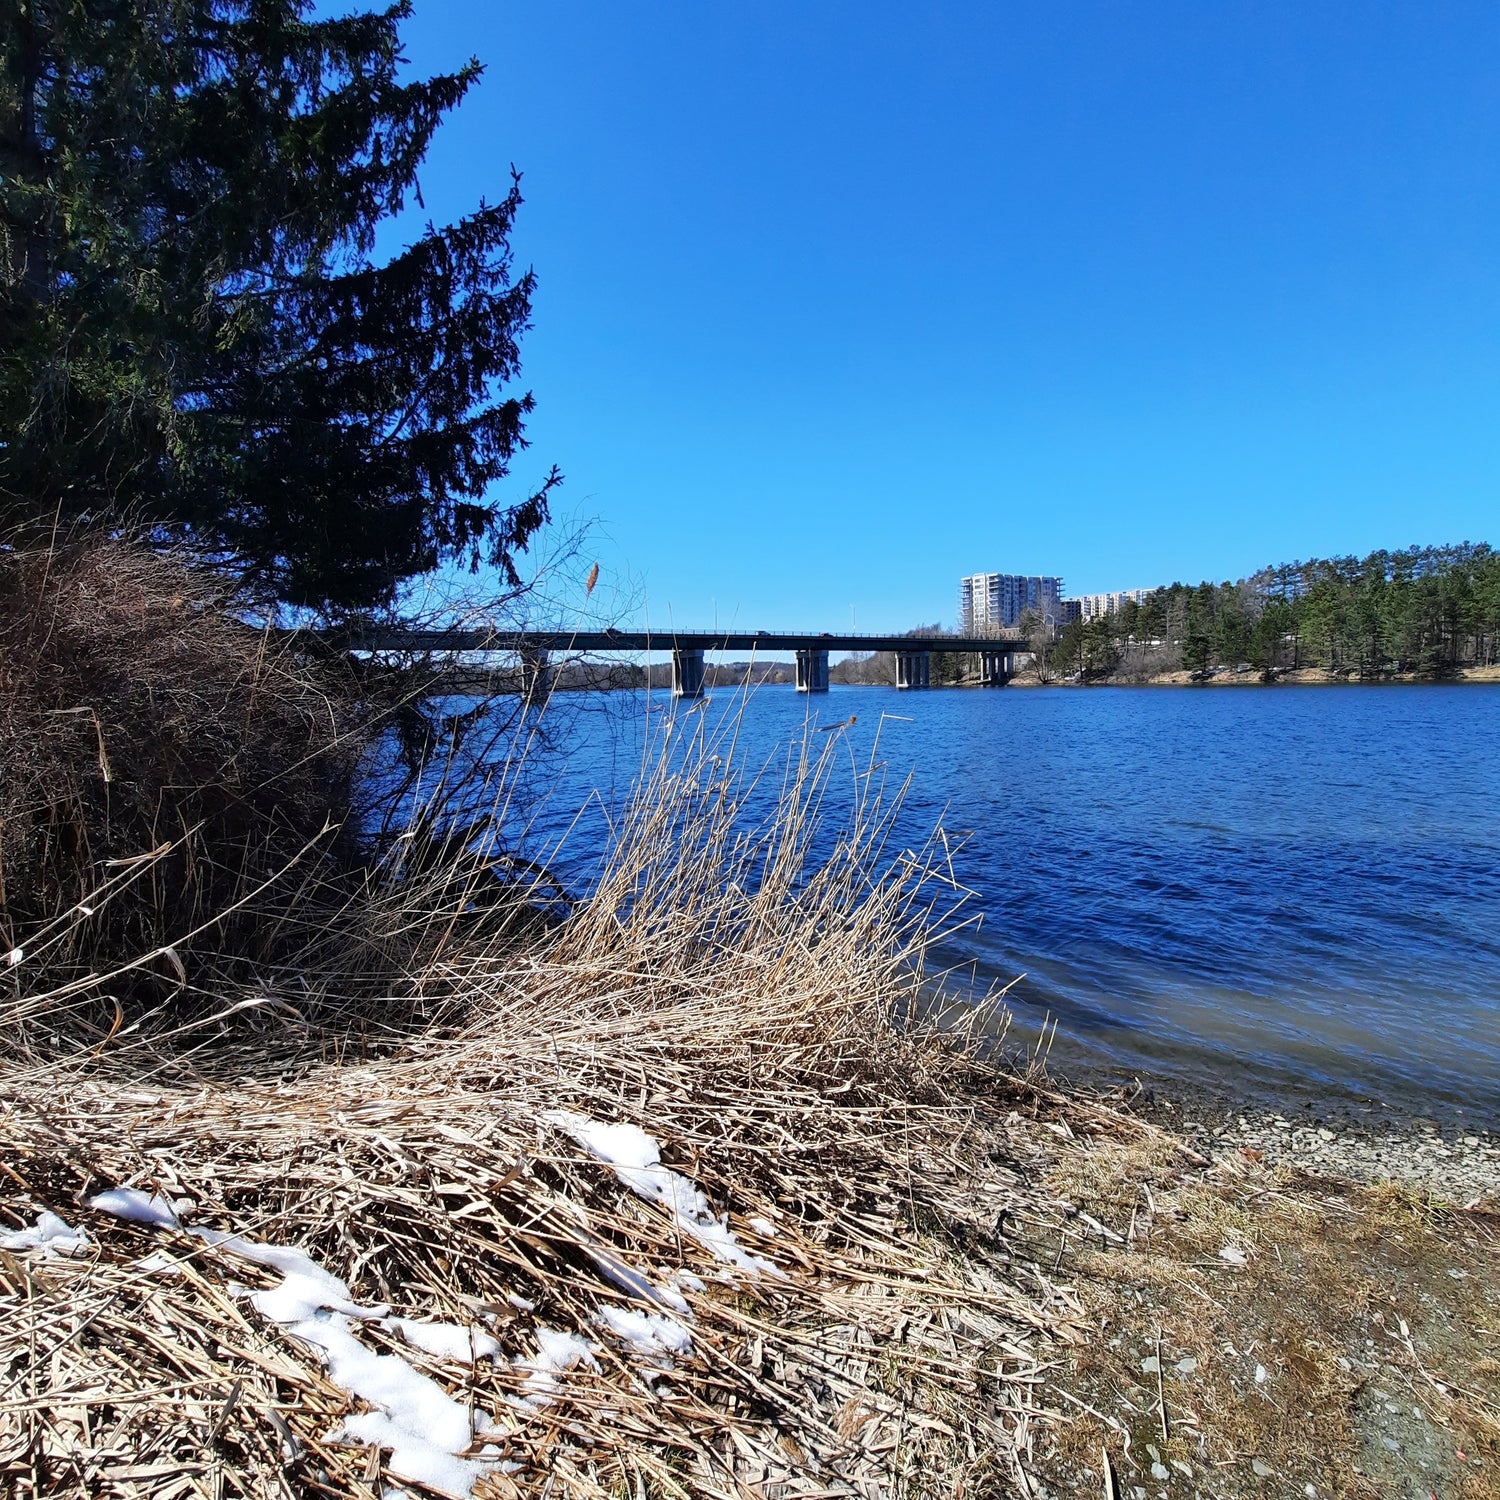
<point x="760" y="1013"/>
<point x="1347" y="1351"/>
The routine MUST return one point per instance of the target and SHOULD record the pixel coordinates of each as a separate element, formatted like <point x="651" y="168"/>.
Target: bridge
<point x="913" y="653"/>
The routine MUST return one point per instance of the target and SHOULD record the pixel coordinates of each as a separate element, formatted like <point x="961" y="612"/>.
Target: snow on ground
<point x="423" y="1426"/>
<point x="51" y="1235"/>
<point x="446" y="1340"/>
<point x="136" y="1206"/>
<point x="557" y="1350"/>
<point x="628" y="1279"/>
<point x="654" y="1335"/>
<point x="305" y="1287"/>
<point x="427" y="1432"/>
<point x="636" y="1160"/>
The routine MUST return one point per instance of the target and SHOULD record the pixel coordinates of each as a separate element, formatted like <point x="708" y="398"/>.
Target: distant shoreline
<point x="1301" y="677"/>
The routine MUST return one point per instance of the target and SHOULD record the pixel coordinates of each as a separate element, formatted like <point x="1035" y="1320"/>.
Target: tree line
<point x="1419" y="609"/>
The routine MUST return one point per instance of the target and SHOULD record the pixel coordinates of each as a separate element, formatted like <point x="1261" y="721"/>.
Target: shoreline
<point x="1301" y="677"/>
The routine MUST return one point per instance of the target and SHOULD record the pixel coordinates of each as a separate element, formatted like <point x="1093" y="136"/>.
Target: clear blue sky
<point x="839" y="301"/>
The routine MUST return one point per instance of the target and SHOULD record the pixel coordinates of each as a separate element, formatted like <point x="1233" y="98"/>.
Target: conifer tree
<point x="195" y="332"/>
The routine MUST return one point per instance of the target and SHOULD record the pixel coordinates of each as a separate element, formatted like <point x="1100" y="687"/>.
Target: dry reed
<point x="761" y="1013"/>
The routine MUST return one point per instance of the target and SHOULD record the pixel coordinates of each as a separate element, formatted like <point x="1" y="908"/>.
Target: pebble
<point x="1160" y="1471"/>
<point x="1262" y="1470"/>
<point x="1150" y="1365"/>
<point x="1414" y="1153"/>
<point x="1186" y="1366"/>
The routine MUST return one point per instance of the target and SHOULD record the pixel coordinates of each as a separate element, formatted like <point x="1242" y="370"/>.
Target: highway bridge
<point x="996" y="653"/>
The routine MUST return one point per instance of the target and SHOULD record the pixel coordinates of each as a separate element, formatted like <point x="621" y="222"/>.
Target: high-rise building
<point x="1092" y="606"/>
<point x="986" y="600"/>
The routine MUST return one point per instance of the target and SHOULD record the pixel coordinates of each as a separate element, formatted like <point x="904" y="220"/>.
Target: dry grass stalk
<point x="760" y="1015"/>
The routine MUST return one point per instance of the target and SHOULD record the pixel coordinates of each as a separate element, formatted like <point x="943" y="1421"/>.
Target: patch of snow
<point x="520" y="1303"/>
<point x="420" y="1413"/>
<point x="423" y="1426"/>
<point x="1233" y="1255"/>
<point x="685" y="1281"/>
<point x="636" y="1160"/>
<point x="628" y="1279"/>
<point x="557" y="1351"/>
<point x="50" y="1234"/>
<point x="412" y="1458"/>
<point x="305" y="1288"/>
<point x="157" y="1264"/>
<point x="137" y="1207"/>
<point x="763" y="1227"/>
<point x="445" y="1340"/>
<point x="654" y="1335"/>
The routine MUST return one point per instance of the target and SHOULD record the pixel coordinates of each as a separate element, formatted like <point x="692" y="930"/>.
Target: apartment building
<point x="1000" y="599"/>
<point x="1092" y="606"/>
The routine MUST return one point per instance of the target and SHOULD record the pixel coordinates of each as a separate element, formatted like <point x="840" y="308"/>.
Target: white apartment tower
<point x="1000" y="599"/>
<point x="1092" y="606"/>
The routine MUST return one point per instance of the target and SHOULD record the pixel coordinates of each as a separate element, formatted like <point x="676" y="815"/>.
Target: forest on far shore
<point x="1423" y="610"/>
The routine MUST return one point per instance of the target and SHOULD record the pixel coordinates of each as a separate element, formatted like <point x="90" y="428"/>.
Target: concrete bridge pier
<point x="996" y="668"/>
<point x="812" y="670"/>
<point x="913" y="669"/>
<point x="536" y="674"/>
<point x="687" y="672"/>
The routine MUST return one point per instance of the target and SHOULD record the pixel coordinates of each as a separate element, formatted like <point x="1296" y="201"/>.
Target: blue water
<point x="1257" y="891"/>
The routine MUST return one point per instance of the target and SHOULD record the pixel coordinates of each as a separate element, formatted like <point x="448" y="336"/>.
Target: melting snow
<point x="305" y="1287"/>
<point x="136" y="1206"/>
<point x="423" y="1426"/>
<point x="628" y="1279"/>
<point x="763" y="1227"/>
<point x="651" y="1333"/>
<point x="51" y="1235"/>
<point x="636" y="1159"/>
<point x="445" y="1340"/>
<point x="557" y="1351"/>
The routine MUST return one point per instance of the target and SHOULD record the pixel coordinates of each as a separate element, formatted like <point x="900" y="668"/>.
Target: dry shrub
<point x="161" y="761"/>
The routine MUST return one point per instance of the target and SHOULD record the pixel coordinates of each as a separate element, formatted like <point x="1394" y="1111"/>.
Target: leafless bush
<point x="161" y="762"/>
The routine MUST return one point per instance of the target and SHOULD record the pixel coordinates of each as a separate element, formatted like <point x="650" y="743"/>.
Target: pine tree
<point x="194" y="331"/>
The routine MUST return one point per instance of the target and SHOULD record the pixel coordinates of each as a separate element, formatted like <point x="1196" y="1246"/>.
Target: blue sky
<point x="839" y="301"/>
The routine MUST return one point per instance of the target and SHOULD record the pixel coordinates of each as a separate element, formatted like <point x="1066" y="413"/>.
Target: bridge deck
<point x="585" y="641"/>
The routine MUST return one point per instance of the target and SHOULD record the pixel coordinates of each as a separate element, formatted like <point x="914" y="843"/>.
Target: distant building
<point x="1072" y="609"/>
<point x="1093" y="606"/>
<point x="987" y="600"/>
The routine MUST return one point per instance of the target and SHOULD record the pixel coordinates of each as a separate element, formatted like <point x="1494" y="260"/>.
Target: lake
<point x="1286" y="895"/>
